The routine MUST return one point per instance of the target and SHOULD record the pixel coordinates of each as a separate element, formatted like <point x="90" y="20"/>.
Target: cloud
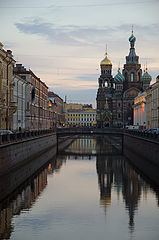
<point x="77" y="35"/>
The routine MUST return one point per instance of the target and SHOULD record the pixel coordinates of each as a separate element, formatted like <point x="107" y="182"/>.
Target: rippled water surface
<point x="88" y="192"/>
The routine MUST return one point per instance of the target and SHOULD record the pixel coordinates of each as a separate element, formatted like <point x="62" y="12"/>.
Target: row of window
<point x="81" y="115"/>
<point x="82" y="119"/>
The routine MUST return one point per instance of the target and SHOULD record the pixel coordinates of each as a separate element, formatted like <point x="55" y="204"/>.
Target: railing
<point x="8" y="138"/>
<point x="88" y="130"/>
<point x="147" y="135"/>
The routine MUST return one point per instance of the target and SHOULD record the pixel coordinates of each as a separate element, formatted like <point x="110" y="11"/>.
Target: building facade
<point x="140" y="110"/>
<point x="81" y="118"/>
<point x="19" y="95"/>
<point x="152" y="105"/>
<point x="115" y="95"/>
<point x="37" y="108"/>
<point x="7" y="104"/>
<point x="59" y="108"/>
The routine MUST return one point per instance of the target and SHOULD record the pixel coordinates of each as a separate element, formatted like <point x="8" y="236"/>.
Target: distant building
<point x="60" y="109"/>
<point x="19" y="95"/>
<point x="52" y="113"/>
<point x="116" y="95"/>
<point x="37" y="113"/>
<point x="152" y="105"/>
<point x="81" y="118"/>
<point x="74" y="106"/>
<point x="140" y="110"/>
<point x="7" y="104"/>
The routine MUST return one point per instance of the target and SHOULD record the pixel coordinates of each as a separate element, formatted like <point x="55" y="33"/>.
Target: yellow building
<point x="152" y="105"/>
<point x="7" y="105"/>
<point x="81" y="117"/>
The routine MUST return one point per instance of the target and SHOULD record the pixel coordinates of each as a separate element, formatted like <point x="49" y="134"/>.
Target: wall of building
<point x="59" y="108"/>
<point x="139" y="110"/>
<point x="7" y="105"/>
<point x="85" y="117"/>
<point x="19" y="96"/>
<point x="152" y="106"/>
<point x="37" y="109"/>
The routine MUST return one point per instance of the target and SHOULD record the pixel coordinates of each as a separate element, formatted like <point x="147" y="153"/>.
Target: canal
<point x="88" y="191"/>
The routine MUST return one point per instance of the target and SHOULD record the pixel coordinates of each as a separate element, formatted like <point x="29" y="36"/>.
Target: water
<point x="90" y="191"/>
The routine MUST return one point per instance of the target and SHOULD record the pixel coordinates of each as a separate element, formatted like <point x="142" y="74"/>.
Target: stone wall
<point x="144" y="154"/>
<point x="19" y="161"/>
<point x="16" y="154"/>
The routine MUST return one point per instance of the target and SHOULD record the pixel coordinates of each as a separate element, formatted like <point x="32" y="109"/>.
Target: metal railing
<point x="147" y="135"/>
<point x="8" y="138"/>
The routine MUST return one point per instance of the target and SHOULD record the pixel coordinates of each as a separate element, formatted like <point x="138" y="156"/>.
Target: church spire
<point x="132" y="58"/>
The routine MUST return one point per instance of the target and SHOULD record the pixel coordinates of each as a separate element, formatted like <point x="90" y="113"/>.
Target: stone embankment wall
<point x="144" y="154"/>
<point x="15" y="154"/>
<point x="20" y="160"/>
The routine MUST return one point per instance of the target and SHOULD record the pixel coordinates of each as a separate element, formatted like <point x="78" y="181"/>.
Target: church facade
<point x="116" y="94"/>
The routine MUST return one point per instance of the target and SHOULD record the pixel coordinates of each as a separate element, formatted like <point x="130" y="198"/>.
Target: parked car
<point x="5" y="132"/>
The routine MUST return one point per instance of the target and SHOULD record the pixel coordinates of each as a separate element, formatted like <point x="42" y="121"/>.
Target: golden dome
<point x="106" y="61"/>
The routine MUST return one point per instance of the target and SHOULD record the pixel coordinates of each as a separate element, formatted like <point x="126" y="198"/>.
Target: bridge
<point x="88" y="131"/>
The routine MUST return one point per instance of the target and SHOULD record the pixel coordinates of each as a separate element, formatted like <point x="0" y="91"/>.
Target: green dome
<point x="119" y="78"/>
<point x="146" y="78"/>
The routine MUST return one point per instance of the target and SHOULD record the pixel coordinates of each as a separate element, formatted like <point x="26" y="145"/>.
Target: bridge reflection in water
<point x="116" y="178"/>
<point x="95" y="145"/>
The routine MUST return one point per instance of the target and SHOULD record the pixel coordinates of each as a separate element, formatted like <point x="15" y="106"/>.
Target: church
<point x="115" y="95"/>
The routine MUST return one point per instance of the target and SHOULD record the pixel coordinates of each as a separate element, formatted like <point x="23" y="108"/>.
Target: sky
<point x="63" y="42"/>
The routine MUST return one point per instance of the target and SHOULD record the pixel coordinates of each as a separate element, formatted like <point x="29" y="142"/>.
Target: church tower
<point x="104" y="94"/>
<point x="132" y="69"/>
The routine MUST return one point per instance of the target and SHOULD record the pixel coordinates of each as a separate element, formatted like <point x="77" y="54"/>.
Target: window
<point x="118" y="115"/>
<point x="118" y="104"/>
<point x="132" y="77"/>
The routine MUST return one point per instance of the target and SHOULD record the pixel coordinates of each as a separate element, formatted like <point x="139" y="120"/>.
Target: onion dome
<point x="132" y="38"/>
<point x="146" y="78"/>
<point x="119" y="77"/>
<point x="106" y="62"/>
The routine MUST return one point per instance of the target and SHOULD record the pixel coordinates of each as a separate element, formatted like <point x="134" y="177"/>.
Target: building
<point x="7" y="104"/>
<point x="19" y="95"/>
<point x="140" y="110"/>
<point x="81" y="118"/>
<point x="37" y="112"/>
<point x="115" y="95"/>
<point x="52" y="113"/>
<point x="74" y="106"/>
<point x="59" y="110"/>
<point x="152" y="105"/>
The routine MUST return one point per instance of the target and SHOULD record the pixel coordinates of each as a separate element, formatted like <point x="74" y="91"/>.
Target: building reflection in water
<point x="24" y="198"/>
<point x="87" y="145"/>
<point x="114" y="173"/>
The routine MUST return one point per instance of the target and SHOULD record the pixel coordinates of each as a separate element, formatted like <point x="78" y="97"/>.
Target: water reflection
<point x="119" y="189"/>
<point x="23" y="201"/>
<point x="114" y="173"/>
<point x="95" y="145"/>
<point x="25" y="196"/>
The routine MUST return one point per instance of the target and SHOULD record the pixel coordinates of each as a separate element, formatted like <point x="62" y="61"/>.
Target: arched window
<point x="132" y="77"/>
